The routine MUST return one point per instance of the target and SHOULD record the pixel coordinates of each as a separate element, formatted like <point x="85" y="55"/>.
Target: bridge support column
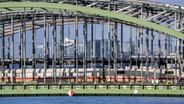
<point x="159" y="54"/>
<point x="22" y="48"/>
<point x="147" y="55"/>
<point x="122" y="53"/>
<point x="103" y="70"/>
<point x="85" y="49"/>
<point x="2" y="52"/>
<point x="54" y="48"/>
<point x="115" y="51"/>
<point x="12" y="50"/>
<point x="166" y="54"/>
<point x="92" y="67"/>
<point x="109" y="47"/>
<point x="34" y="47"/>
<point x="139" y="50"/>
<point x="45" y="49"/>
<point x="130" y="52"/>
<point x="76" y="45"/>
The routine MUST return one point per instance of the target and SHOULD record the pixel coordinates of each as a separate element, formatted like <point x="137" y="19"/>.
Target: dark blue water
<point x="90" y="100"/>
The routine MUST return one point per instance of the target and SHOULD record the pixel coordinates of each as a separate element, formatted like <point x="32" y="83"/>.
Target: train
<point x="69" y="75"/>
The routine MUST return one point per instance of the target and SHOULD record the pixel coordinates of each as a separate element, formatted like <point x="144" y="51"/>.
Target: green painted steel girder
<point x="16" y="6"/>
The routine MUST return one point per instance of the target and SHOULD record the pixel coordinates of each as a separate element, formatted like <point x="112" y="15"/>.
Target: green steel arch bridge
<point x="155" y="31"/>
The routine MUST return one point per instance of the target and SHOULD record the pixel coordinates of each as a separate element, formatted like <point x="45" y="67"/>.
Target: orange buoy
<point x="71" y="93"/>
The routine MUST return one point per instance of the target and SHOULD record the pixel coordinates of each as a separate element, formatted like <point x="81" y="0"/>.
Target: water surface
<point x="90" y="100"/>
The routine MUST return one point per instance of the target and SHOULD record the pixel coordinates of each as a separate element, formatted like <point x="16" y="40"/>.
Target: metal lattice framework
<point x="18" y="17"/>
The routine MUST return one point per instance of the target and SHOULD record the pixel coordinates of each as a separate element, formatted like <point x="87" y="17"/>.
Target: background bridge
<point x="91" y="41"/>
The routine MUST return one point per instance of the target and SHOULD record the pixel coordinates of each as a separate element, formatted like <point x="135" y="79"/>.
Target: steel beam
<point x="130" y="52"/>
<point x="8" y="47"/>
<point x="12" y="43"/>
<point x="3" y="51"/>
<point x="120" y="10"/>
<point x="115" y="36"/>
<point x="34" y="47"/>
<point x="159" y="54"/>
<point x="54" y="48"/>
<point x="152" y="17"/>
<point x="147" y="55"/>
<point x="122" y="53"/>
<point x="45" y="49"/>
<point x="166" y="59"/>
<point x="24" y="48"/>
<point x="76" y="46"/>
<point x="102" y="50"/>
<point x="92" y="28"/>
<point x="109" y="47"/>
<point x="152" y="48"/>
<point x="139" y="44"/>
<point x="130" y="10"/>
<point x="85" y="49"/>
<point x="92" y="4"/>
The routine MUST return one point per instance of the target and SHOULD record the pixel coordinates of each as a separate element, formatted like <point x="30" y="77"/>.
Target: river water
<point x="90" y="100"/>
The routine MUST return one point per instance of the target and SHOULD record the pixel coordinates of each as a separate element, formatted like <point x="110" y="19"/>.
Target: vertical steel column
<point x="62" y="45"/>
<point x="54" y="48"/>
<point x="24" y="47"/>
<point x="103" y="70"/>
<point x="8" y="47"/>
<point x="142" y="47"/>
<point x="85" y="49"/>
<point x="76" y="46"/>
<point x="1" y="52"/>
<point x="3" y="49"/>
<point x="176" y="66"/>
<point x="47" y="44"/>
<point x="19" y="48"/>
<point x="122" y="53"/>
<point x="136" y="54"/>
<point x="94" y="53"/>
<point x="115" y="51"/>
<point x="166" y="60"/>
<point x="45" y="49"/>
<point x="139" y="42"/>
<point x="159" y="54"/>
<point x="34" y="47"/>
<point x="176" y="41"/>
<point x="92" y="67"/>
<point x="130" y="52"/>
<point x="109" y="47"/>
<point x="152" y="47"/>
<point x="22" y="70"/>
<point x="55" y="44"/>
<point x="147" y="55"/>
<point x="180" y="45"/>
<point x="152" y="56"/>
<point x="12" y="42"/>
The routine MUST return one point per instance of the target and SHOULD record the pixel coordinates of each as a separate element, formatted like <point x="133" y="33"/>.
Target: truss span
<point x="6" y="7"/>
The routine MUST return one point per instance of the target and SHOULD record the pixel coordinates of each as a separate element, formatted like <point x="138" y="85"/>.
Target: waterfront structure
<point x="92" y="42"/>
